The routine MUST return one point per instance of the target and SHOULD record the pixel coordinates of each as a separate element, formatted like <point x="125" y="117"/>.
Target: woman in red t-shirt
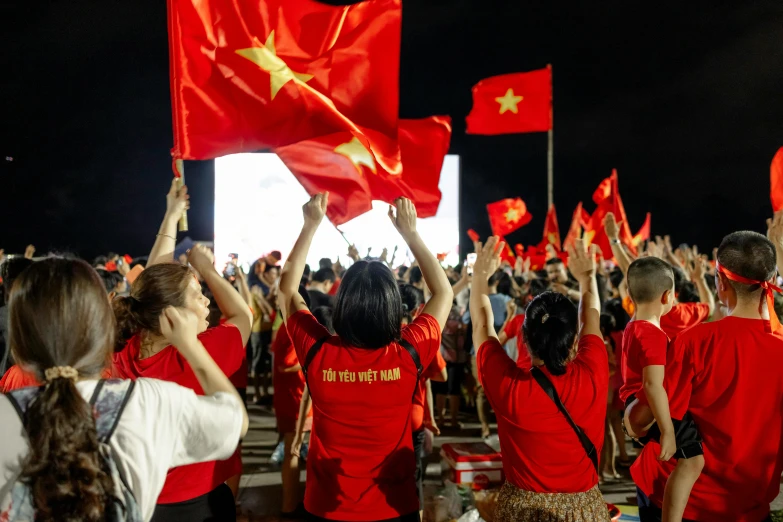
<point x="557" y="479"/>
<point x="198" y="491"/>
<point x="361" y="464"/>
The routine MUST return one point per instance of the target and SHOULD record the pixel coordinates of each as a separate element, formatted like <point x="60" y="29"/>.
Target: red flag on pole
<point x="343" y="165"/>
<point x="643" y="234"/>
<point x="247" y="76"/>
<point x="551" y="230"/>
<point x="776" y="180"/>
<point x="512" y="103"/>
<point x="508" y="215"/>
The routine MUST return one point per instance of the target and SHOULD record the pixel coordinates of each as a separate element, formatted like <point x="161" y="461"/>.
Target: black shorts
<point x="216" y="506"/>
<point x="260" y="358"/>
<point x="421" y="466"/>
<point x="412" y="517"/>
<point x="686" y="433"/>
<point x="453" y="385"/>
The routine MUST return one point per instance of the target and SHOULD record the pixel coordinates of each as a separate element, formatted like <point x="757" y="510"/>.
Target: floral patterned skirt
<point x="517" y="505"/>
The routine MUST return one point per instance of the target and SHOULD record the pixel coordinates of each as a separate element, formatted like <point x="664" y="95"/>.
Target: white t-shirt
<point x="163" y="426"/>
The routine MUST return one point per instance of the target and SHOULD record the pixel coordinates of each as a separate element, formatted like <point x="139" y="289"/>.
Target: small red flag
<point x="508" y="215"/>
<point x="512" y="103"/>
<point x="247" y="76"/>
<point x="551" y="230"/>
<point x="343" y="165"/>
<point x="579" y="220"/>
<point x="519" y="250"/>
<point x="776" y="180"/>
<point x="473" y="235"/>
<point x="506" y="254"/>
<point x="607" y="197"/>
<point x="643" y="234"/>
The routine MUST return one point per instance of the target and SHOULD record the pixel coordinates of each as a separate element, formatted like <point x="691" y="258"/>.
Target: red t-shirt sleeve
<point x="437" y="365"/>
<point x="494" y="367"/>
<point x="700" y="312"/>
<point x="304" y="331"/>
<point x="424" y="334"/>
<point x="592" y="351"/>
<point x="513" y="326"/>
<point x="16" y="378"/>
<point x="224" y="345"/>
<point x="650" y="344"/>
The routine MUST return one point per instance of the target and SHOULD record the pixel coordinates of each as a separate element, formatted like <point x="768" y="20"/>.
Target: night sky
<point x="686" y="102"/>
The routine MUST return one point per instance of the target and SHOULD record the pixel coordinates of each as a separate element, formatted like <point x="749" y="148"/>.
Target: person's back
<point x="360" y="464"/>
<point x="727" y="375"/>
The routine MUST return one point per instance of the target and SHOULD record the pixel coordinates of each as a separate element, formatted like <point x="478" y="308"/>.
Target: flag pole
<point x="179" y="165"/>
<point x="550" y="178"/>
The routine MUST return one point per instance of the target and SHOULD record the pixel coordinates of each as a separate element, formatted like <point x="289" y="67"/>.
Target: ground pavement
<point x="261" y="494"/>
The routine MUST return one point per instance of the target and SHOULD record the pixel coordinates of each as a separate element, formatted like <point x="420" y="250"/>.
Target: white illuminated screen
<point x="258" y="208"/>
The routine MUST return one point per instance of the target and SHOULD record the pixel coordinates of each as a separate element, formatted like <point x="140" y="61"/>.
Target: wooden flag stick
<point x="183" y="220"/>
<point x="342" y="234"/>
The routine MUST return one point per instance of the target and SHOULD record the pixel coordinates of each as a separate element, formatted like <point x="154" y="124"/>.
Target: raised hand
<point x="581" y="262"/>
<point x="29" y="252"/>
<point x="405" y="220"/>
<point x="611" y="227"/>
<point x="177" y="200"/>
<point x="202" y="259"/>
<point x="488" y="258"/>
<point x="315" y="209"/>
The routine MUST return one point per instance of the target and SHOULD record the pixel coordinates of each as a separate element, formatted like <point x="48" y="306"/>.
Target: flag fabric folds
<point x="607" y="198"/>
<point x="579" y="220"/>
<point x="247" y="76"/>
<point x="643" y="234"/>
<point x="508" y="215"/>
<point x="551" y="230"/>
<point x="512" y="103"/>
<point x="343" y="166"/>
<point x="776" y="180"/>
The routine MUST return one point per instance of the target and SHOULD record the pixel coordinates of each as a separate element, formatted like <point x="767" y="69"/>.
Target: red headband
<point x="768" y="294"/>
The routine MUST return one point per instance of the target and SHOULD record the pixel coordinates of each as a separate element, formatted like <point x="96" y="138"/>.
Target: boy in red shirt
<point x="651" y="286"/>
<point x="727" y="375"/>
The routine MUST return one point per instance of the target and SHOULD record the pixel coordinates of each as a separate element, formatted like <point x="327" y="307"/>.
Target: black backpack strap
<point x="311" y="353"/>
<point x="108" y="402"/>
<point x="416" y="360"/>
<point x="549" y="389"/>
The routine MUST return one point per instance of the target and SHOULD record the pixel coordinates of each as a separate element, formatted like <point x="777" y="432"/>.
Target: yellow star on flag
<point x="266" y="58"/>
<point x="552" y="238"/>
<point x="512" y="215"/>
<point x="357" y="153"/>
<point x="509" y="102"/>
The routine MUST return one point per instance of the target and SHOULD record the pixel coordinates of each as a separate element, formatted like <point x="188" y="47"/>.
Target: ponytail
<point x="64" y="470"/>
<point x="550" y="330"/>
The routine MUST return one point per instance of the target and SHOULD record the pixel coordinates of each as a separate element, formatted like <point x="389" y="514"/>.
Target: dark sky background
<point x="685" y="101"/>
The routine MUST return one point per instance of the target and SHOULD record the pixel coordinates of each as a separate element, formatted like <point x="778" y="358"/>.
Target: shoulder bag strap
<point x="416" y="360"/>
<point x="549" y="389"/>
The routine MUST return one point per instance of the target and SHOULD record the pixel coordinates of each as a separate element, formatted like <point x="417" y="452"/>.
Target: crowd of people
<point x="125" y="380"/>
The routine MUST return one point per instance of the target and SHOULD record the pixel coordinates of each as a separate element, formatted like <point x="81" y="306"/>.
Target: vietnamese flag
<point x="776" y="180"/>
<point x="508" y="215"/>
<point x="607" y="197"/>
<point x="343" y="165"/>
<point x="247" y="76"/>
<point x="579" y="220"/>
<point x="643" y="234"/>
<point x="551" y="230"/>
<point x="512" y="103"/>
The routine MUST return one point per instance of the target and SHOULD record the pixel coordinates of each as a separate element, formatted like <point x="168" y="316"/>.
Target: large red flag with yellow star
<point x="343" y="166"/>
<point x="508" y="215"/>
<point x="247" y="76"/>
<point x="512" y="103"/>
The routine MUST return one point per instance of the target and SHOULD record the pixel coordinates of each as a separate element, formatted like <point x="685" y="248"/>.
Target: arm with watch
<point x="613" y="233"/>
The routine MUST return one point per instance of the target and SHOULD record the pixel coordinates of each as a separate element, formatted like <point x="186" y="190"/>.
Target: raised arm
<point x="244" y="290"/>
<point x="698" y="270"/>
<point x="613" y="233"/>
<point x="487" y="262"/>
<point x="234" y="308"/>
<point x="289" y="299"/>
<point x="581" y="263"/>
<point x="464" y="281"/>
<point x="439" y="305"/>
<point x="177" y="201"/>
<point x="179" y="326"/>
